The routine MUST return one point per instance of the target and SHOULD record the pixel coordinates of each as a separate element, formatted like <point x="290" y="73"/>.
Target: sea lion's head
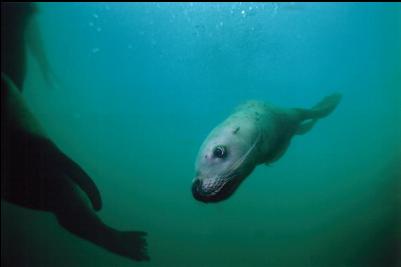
<point x="224" y="160"/>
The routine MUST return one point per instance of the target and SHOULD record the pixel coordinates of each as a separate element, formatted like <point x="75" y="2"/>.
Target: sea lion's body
<point x="270" y="126"/>
<point x="254" y="134"/>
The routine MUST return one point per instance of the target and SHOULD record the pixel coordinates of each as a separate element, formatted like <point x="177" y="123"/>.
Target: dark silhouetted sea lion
<point x="36" y="174"/>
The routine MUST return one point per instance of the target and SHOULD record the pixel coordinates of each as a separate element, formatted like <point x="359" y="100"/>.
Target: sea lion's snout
<point x="198" y="192"/>
<point x="212" y="190"/>
<point x="206" y="190"/>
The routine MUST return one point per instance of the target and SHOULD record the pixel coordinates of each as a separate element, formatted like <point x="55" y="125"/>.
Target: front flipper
<point x="35" y="170"/>
<point x="65" y="165"/>
<point x="277" y="153"/>
<point x="132" y="244"/>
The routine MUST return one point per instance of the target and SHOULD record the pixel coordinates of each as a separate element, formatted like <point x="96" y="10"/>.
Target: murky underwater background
<point x="142" y="84"/>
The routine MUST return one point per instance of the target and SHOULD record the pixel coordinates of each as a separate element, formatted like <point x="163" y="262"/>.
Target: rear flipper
<point x="309" y="117"/>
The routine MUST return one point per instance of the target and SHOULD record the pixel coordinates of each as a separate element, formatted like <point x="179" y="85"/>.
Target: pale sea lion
<point x="256" y="133"/>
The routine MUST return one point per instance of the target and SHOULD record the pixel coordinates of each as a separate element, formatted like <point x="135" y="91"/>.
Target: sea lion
<point x="254" y="134"/>
<point x="36" y="174"/>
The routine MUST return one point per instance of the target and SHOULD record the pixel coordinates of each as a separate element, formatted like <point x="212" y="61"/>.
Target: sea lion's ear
<point x="236" y="130"/>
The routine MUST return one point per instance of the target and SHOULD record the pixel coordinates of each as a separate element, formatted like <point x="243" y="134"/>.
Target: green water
<point x="141" y="86"/>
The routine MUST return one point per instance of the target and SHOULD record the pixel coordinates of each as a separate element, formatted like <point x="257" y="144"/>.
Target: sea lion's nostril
<point x="198" y="191"/>
<point x="196" y="187"/>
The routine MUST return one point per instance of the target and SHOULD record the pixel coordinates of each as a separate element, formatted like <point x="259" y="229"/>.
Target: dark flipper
<point x="75" y="173"/>
<point x="132" y="244"/>
<point x="36" y="163"/>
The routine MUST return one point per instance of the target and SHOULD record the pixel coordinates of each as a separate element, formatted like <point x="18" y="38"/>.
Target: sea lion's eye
<point x="220" y="151"/>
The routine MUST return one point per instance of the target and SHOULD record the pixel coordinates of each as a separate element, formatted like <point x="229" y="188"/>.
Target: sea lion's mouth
<point x="215" y="190"/>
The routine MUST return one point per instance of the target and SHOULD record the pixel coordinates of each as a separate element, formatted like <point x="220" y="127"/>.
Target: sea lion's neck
<point x="16" y="113"/>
